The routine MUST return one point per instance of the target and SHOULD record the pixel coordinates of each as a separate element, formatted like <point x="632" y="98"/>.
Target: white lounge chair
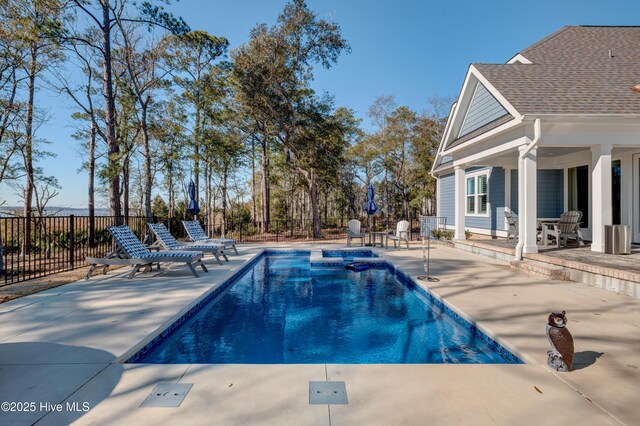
<point x="166" y="240"/>
<point x="132" y="252"/>
<point x="568" y="227"/>
<point x="197" y="234"/>
<point x="401" y="234"/>
<point x="512" y="232"/>
<point x="354" y="231"/>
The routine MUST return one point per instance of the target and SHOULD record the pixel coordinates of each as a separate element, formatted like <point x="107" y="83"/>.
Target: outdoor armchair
<point x="196" y="233"/>
<point x="132" y="252"/>
<point x="568" y="227"/>
<point x="166" y="240"/>
<point x="512" y="232"/>
<point x="401" y="234"/>
<point x="354" y="231"/>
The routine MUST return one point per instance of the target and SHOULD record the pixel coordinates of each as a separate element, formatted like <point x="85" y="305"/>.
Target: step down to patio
<point x="541" y="269"/>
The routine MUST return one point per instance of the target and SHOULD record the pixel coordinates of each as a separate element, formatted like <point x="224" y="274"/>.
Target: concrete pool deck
<point x="65" y="345"/>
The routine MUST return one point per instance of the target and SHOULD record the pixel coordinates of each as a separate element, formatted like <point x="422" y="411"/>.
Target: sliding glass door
<point x="578" y="186"/>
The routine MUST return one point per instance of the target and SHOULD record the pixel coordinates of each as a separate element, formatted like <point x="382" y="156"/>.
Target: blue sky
<point x="410" y="49"/>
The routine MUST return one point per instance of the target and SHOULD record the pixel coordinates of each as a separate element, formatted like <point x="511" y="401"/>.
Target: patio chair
<point x="354" y="231"/>
<point x="166" y="240"/>
<point x="568" y="227"/>
<point x="132" y="252"/>
<point x="197" y="234"/>
<point x="401" y="234"/>
<point x="512" y="232"/>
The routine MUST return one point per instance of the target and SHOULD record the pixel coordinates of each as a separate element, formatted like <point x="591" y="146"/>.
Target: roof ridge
<point x="609" y="26"/>
<point x="544" y="40"/>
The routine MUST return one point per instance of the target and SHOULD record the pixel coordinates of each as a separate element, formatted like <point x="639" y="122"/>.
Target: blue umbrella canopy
<point x="193" y="207"/>
<point x="370" y="207"/>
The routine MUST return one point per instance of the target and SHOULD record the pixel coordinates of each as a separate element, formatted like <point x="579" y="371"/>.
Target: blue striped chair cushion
<point x="164" y="236"/>
<point x="194" y="230"/>
<point x="128" y="241"/>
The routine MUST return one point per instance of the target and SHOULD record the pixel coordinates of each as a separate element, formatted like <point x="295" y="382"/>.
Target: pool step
<point x="541" y="269"/>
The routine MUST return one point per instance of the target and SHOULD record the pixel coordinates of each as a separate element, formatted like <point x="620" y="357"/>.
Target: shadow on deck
<point x="619" y="273"/>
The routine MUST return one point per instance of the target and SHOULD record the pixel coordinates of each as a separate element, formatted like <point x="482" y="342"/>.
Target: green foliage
<point x="442" y="234"/>
<point x="159" y="208"/>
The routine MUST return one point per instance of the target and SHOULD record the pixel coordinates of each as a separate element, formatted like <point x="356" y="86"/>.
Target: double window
<point x="477" y="194"/>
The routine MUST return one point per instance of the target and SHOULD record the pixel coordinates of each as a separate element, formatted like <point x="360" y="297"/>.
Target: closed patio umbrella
<point x="370" y="208"/>
<point x="193" y="207"/>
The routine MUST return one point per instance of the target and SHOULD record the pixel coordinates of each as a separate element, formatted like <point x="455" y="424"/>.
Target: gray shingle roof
<point x="572" y="73"/>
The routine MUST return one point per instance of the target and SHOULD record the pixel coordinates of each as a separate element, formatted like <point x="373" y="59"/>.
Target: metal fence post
<point x="241" y="231"/>
<point x="72" y="245"/>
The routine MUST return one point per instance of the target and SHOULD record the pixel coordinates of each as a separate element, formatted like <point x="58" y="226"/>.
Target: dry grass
<point x="36" y="285"/>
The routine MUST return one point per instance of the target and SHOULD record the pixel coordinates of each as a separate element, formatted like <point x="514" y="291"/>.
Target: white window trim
<point x="475" y="175"/>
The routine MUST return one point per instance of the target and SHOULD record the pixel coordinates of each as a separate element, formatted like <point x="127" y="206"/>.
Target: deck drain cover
<point x="167" y="395"/>
<point x="327" y="393"/>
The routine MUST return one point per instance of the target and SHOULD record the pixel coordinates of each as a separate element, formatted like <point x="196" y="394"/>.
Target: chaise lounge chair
<point x="197" y="234"/>
<point x="354" y="231"/>
<point x="401" y="234"/>
<point x="132" y="252"/>
<point x="166" y="240"/>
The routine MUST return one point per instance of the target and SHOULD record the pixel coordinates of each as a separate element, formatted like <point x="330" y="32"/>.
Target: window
<point x="477" y="194"/>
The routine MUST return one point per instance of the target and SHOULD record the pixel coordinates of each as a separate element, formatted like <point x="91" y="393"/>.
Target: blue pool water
<point x="348" y="254"/>
<point x="283" y="311"/>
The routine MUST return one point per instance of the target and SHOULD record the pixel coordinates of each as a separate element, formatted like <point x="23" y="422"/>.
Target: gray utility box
<point x="617" y="239"/>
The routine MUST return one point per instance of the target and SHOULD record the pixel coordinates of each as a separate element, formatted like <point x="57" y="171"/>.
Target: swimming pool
<point x="282" y="310"/>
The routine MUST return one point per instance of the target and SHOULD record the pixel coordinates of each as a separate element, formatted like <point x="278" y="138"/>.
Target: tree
<point x="101" y="16"/>
<point x="190" y="59"/>
<point x="33" y="23"/>
<point x="145" y="79"/>
<point x="273" y="72"/>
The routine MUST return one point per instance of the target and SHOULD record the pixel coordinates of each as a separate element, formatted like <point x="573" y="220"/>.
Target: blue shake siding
<point x="550" y="192"/>
<point x="550" y="197"/>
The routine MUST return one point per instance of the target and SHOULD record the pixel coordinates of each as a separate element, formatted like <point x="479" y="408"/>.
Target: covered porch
<point x="559" y="165"/>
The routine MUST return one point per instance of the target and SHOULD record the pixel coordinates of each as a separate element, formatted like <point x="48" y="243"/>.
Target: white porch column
<point x="527" y="201"/>
<point x="460" y="203"/>
<point x="507" y="195"/>
<point x="601" y="214"/>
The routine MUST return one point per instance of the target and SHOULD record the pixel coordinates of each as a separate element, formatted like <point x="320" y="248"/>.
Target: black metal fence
<point x="43" y="246"/>
<point x="302" y="230"/>
<point x="55" y="244"/>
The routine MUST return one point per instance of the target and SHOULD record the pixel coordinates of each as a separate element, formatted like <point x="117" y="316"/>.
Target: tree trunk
<point x="113" y="151"/>
<point x="315" y="210"/>
<point x="224" y="202"/>
<point x="28" y="153"/>
<point x="125" y="186"/>
<point x="264" y="187"/>
<point x="254" y="207"/>
<point x="148" y="178"/>
<point x="91" y="189"/>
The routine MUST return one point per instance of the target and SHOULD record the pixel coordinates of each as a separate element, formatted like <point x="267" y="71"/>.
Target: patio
<point x="67" y="345"/>
<point x="619" y="273"/>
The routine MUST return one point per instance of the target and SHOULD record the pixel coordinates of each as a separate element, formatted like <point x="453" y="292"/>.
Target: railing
<point x="302" y="230"/>
<point x="61" y="243"/>
<point x="55" y="243"/>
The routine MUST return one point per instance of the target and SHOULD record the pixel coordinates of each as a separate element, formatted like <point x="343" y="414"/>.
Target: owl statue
<point x="560" y="357"/>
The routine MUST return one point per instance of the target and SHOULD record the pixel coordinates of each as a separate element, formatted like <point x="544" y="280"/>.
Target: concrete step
<point x="541" y="269"/>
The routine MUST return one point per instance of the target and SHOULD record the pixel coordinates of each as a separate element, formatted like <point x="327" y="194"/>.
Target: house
<point x="556" y="128"/>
